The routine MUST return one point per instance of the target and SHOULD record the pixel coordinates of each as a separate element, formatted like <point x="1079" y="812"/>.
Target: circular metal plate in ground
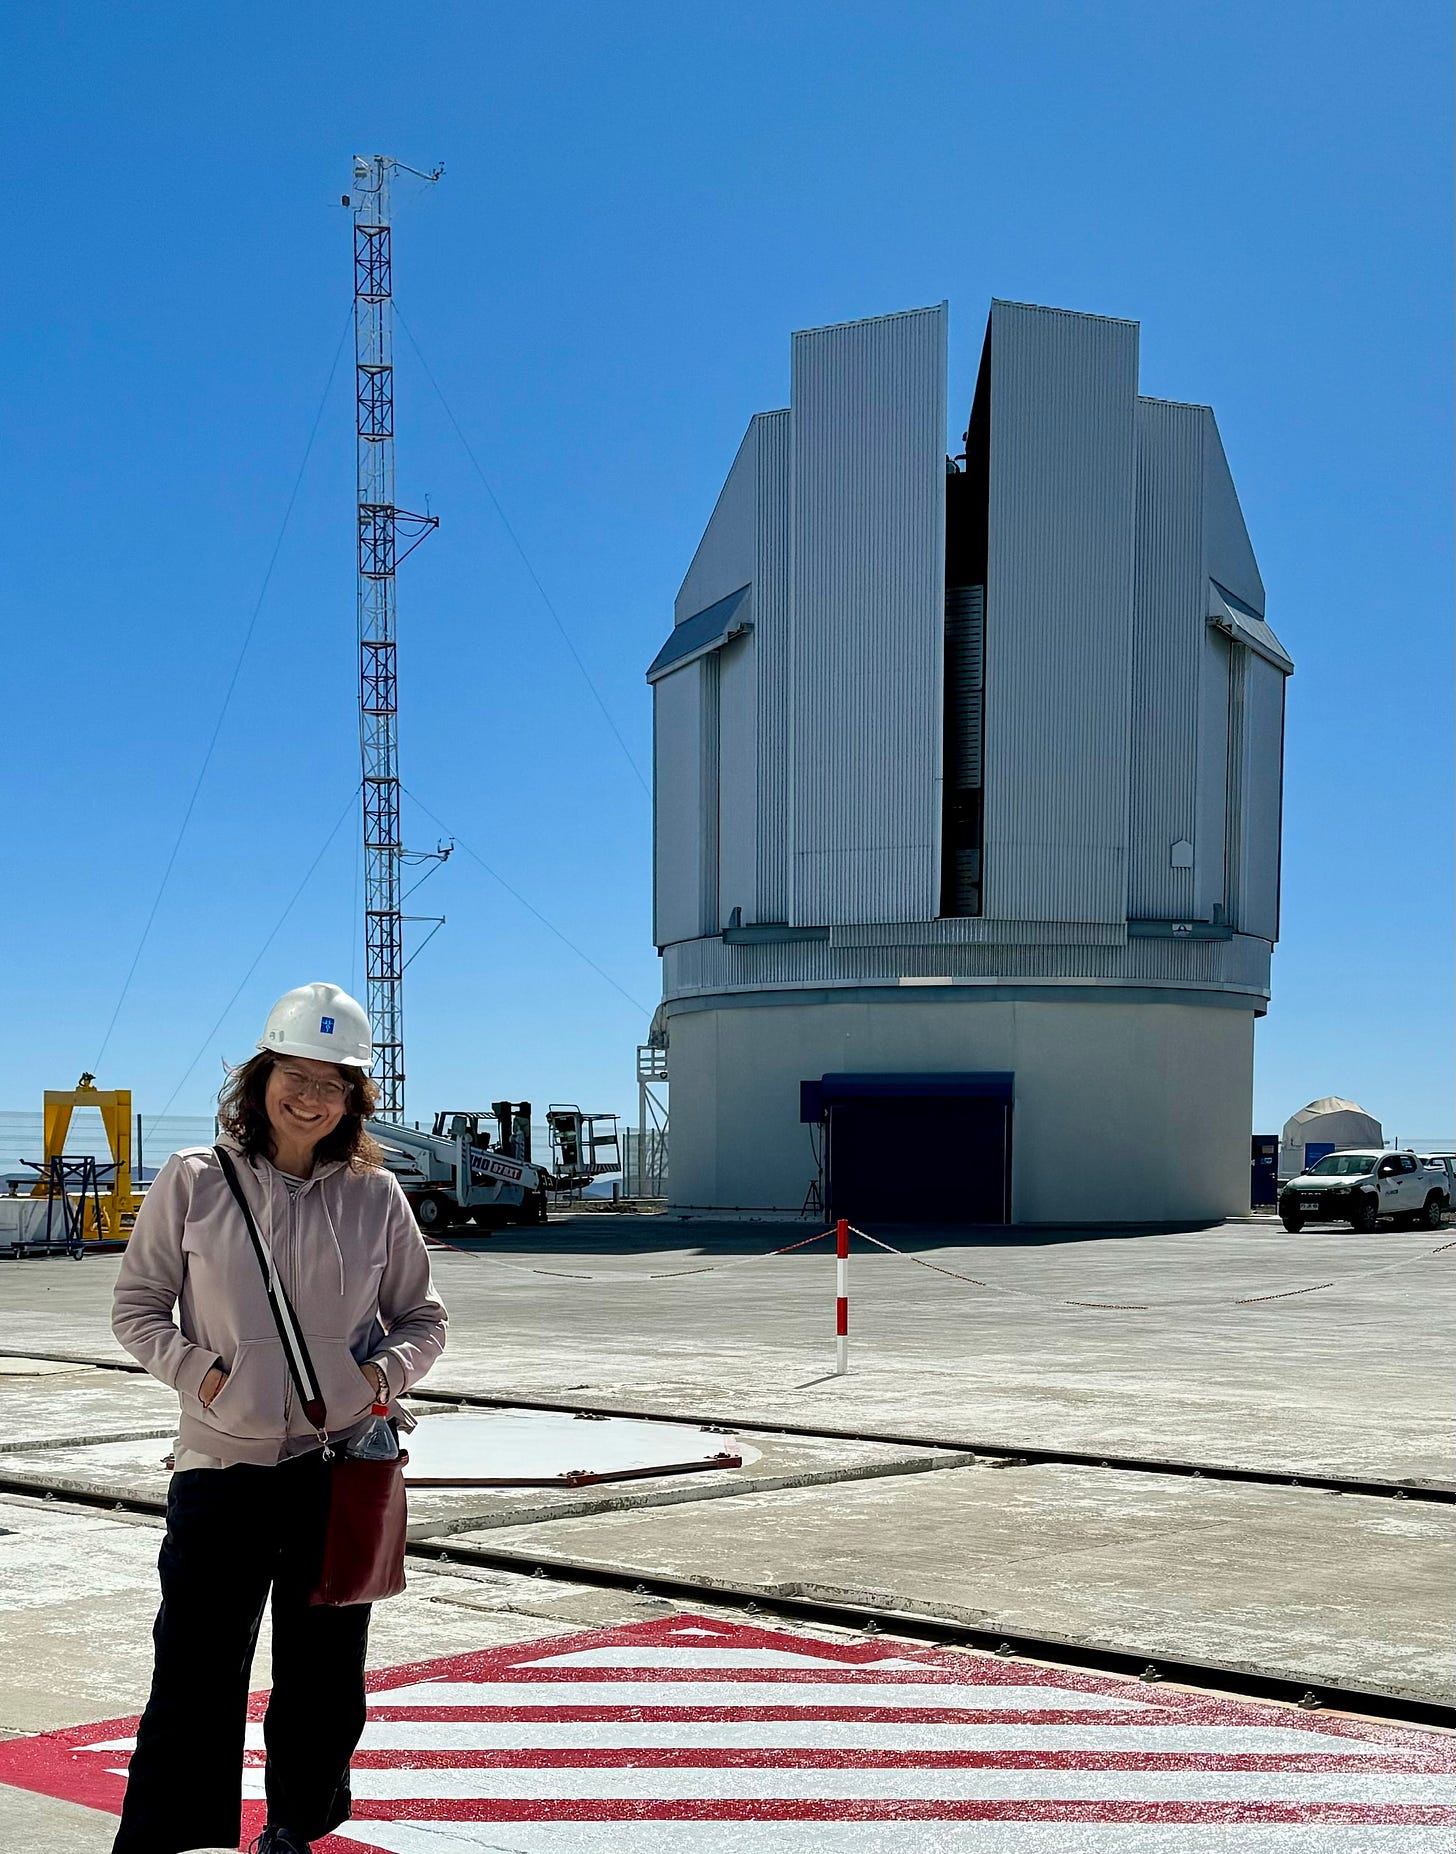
<point x="534" y="1448"/>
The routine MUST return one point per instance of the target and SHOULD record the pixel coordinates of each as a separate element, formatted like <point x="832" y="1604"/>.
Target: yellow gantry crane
<point x="119" y="1203"/>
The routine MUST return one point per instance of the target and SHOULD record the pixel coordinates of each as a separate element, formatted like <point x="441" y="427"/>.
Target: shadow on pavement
<point x="609" y="1233"/>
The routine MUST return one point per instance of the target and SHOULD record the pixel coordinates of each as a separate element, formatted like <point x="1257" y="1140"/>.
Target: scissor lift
<point x="583" y="1147"/>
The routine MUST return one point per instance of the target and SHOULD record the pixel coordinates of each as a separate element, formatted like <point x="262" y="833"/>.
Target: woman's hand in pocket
<point x="211" y="1385"/>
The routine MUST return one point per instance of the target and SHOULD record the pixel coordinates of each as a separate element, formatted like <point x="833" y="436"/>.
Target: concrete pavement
<point x="1350" y="1379"/>
<point x="1346" y="1379"/>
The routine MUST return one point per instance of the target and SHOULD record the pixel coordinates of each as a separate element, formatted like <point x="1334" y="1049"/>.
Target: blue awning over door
<point x="830" y="1090"/>
<point x="706" y="630"/>
<point x="1229" y="614"/>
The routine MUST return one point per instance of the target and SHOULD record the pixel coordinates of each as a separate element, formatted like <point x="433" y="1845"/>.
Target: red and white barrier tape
<point x="842" y="1232"/>
<point x="662" y="1274"/>
<point x="1149" y="1306"/>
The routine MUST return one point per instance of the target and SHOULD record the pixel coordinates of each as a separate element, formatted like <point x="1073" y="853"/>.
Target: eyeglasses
<point x="294" y="1081"/>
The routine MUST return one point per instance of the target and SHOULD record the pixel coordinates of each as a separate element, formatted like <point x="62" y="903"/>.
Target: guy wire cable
<point x="530" y="908"/>
<point x="525" y="558"/>
<point x="228" y="692"/>
<point x="277" y="927"/>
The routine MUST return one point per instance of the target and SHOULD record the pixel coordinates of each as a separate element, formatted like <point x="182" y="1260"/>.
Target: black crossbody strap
<point x="300" y="1365"/>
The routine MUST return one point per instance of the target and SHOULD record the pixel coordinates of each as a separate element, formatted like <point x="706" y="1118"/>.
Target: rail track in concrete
<point x="795" y="1603"/>
<point x="786" y="1602"/>
<point x="1006" y="1453"/>
<point x="804" y="1603"/>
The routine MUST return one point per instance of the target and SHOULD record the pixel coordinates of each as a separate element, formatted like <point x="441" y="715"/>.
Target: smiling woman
<point x="249" y="1503"/>
<point x="304" y="1102"/>
<point x="297" y="1112"/>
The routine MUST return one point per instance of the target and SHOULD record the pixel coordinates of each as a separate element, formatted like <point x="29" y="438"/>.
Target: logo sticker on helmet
<point x="326" y="1026"/>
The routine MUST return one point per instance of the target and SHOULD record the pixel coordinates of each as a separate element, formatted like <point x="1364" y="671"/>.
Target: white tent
<point x="1327" y="1125"/>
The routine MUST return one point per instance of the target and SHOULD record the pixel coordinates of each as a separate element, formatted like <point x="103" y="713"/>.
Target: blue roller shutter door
<point x="933" y="1160"/>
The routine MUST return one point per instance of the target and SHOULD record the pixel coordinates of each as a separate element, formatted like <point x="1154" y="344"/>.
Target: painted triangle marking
<point x="652" y="1655"/>
<point x="796" y="1745"/>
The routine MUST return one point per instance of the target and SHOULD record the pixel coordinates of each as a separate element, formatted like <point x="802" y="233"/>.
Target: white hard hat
<point x="321" y="1022"/>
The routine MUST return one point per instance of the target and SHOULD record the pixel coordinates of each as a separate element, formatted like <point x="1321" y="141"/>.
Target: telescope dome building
<point x="967" y="793"/>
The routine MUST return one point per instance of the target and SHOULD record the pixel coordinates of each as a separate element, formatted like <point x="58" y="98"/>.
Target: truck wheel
<point x="1430" y="1217"/>
<point x="1366" y="1216"/>
<point x="1293" y="1224"/>
<point x="431" y="1211"/>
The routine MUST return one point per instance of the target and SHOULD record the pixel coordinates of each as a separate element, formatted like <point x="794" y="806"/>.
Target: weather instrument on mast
<point x="387" y="535"/>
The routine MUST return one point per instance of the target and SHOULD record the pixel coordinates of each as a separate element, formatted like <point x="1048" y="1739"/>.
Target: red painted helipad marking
<point x="679" y="1726"/>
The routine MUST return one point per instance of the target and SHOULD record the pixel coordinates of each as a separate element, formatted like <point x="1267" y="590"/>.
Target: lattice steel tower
<point x="387" y="534"/>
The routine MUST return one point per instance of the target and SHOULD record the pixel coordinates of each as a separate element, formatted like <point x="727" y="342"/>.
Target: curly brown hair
<point x="242" y="1111"/>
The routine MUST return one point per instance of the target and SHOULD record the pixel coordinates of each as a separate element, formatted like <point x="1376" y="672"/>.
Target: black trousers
<point x="232" y="1533"/>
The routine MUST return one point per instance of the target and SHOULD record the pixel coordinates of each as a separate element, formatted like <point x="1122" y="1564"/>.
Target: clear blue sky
<point x="640" y="203"/>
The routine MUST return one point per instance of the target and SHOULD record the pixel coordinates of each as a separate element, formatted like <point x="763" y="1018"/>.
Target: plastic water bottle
<point x="376" y="1441"/>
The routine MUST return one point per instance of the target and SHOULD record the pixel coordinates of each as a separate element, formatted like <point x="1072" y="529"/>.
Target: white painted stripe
<point x="427" y="1837"/>
<point x="761" y="1783"/>
<point x="828" y="1735"/>
<point x="724" y="1659"/>
<point x="934" y="1695"/>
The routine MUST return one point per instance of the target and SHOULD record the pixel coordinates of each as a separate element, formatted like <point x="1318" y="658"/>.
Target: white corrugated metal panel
<point x="677" y="746"/>
<point x="869" y="414"/>
<point x="1209" y="838"/>
<point x="733" y="761"/>
<point x="958" y="930"/>
<point x="1236" y="818"/>
<point x="771" y="595"/>
<point x="1167" y="646"/>
<point x="726" y="554"/>
<point x="1228" y="556"/>
<point x="1236" y="786"/>
<point x="1238" y="964"/>
<point x="1058" y="614"/>
<point x="1262" y="788"/>
<point x="708" y="787"/>
<point x="737" y="781"/>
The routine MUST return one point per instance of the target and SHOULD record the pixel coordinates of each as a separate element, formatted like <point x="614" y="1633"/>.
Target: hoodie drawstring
<point x="333" y="1233"/>
<point x="267" y="1179"/>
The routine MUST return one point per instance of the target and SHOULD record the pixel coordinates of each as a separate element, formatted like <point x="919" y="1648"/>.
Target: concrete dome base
<point x="1124" y="1109"/>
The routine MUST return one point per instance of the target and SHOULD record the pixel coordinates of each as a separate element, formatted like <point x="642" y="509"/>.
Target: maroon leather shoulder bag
<point x="363" y="1555"/>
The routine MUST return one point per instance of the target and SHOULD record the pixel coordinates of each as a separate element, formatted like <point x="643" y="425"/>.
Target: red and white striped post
<point x="841" y="1301"/>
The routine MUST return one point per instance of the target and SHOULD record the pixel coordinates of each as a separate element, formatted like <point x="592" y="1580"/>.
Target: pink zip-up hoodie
<point x="190" y="1292"/>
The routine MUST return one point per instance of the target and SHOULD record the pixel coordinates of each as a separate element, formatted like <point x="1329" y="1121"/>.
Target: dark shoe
<point x="279" y="1841"/>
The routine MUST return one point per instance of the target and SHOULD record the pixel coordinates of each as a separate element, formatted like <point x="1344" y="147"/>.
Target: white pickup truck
<point x="1361" y="1186"/>
<point x="1443" y="1164"/>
